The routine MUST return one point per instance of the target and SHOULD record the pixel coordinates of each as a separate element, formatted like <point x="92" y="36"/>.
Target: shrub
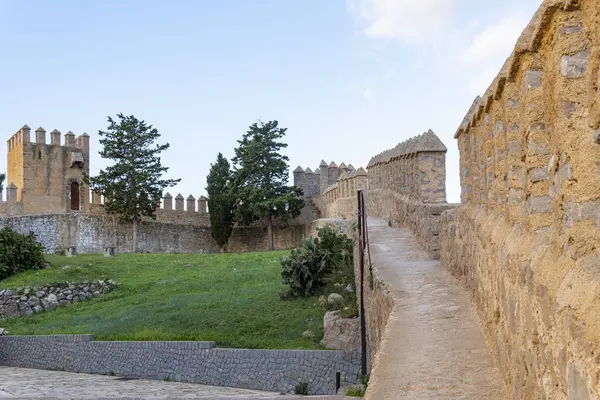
<point x="19" y="253"/>
<point x="319" y="262"/>
<point x="355" y="391"/>
<point x="301" y="388"/>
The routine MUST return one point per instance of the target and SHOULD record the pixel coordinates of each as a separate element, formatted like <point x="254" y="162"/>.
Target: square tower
<point x="49" y="177"/>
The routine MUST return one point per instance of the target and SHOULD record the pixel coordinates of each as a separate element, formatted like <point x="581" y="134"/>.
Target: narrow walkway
<point x="433" y="347"/>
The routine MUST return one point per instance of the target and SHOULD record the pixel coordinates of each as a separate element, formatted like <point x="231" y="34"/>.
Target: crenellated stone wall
<point x="339" y="200"/>
<point x="526" y="238"/>
<point x="407" y="187"/>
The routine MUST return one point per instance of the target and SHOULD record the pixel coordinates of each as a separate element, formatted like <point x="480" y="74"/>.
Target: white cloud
<point x="409" y="20"/>
<point x="368" y="93"/>
<point x="496" y="41"/>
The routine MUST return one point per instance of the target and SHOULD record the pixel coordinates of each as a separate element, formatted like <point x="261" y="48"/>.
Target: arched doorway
<point x="75" y="196"/>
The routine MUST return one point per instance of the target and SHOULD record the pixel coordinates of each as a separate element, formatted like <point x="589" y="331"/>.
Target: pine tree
<point x="2" y="179"/>
<point x="261" y="176"/>
<point x="133" y="185"/>
<point x="220" y="201"/>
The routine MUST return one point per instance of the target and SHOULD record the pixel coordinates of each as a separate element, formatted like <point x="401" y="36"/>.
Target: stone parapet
<point x="194" y="362"/>
<point x="538" y="306"/>
<point x="525" y="238"/>
<point x="401" y="210"/>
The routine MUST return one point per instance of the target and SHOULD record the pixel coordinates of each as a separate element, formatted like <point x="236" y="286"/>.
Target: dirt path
<point x="433" y="347"/>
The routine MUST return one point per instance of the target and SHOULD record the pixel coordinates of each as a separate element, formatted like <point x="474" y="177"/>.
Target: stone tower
<point x="49" y="177"/>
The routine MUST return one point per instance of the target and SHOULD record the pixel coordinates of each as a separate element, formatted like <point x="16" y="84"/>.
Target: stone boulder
<point x="50" y="302"/>
<point x="340" y="333"/>
<point x="335" y="300"/>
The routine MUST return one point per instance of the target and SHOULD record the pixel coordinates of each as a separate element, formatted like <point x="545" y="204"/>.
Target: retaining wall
<point x="194" y="362"/>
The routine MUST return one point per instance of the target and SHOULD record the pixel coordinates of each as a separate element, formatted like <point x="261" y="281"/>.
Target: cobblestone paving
<point x="21" y="383"/>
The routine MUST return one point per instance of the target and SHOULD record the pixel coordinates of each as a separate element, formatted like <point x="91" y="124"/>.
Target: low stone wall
<point x="538" y="306"/>
<point x="28" y="300"/>
<point x="378" y="303"/>
<point x="92" y="233"/>
<point x="401" y="210"/>
<point x="194" y="362"/>
<point x="345" y="226"/>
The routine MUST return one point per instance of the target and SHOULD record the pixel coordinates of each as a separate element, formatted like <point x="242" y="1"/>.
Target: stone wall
<point x="378" y="303"/>
<point x="401" y="210"/>
<point x="407" y="187"/>
<point x="339" y="200"/>
<point x="526" y="237"/>
<point x="195" y="362"/>
<point x="91" y="233"/>
<point x="28" y="300"/>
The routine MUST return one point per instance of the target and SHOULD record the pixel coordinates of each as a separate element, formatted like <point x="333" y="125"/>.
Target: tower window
<point x="39" y="154"/>
<point x="75" y="196"/>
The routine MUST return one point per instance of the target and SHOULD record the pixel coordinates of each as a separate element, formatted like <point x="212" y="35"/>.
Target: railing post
<point x="361" y="255"/>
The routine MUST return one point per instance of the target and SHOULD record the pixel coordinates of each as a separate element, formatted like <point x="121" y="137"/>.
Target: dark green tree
<point x="220" y="201"/>
<point x="261" y="176"/>
<point x="2" y="179"/>
<point x="133" y="185"/>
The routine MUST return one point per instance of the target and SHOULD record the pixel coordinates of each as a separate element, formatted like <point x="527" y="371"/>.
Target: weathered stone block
<point x="539" y="204"/>
<point x="538" y="174"/>
<point x="533" y="79"/>
<point x="577" y="385"/>
<point x="571" y="29"/>
<point x="574" y="66"/>
<point x="568" y="108"/>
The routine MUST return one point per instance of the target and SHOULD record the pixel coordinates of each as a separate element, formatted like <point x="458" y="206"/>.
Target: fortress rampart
<point x="407" y="187"/>
<point x="526" y="237"/>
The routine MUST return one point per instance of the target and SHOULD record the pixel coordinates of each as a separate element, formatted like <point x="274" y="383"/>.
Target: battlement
<point x="314" y="183"/>
<point x="189" y="205"/>
<point x="415" y="168"/>
<point x="23" y="137"/>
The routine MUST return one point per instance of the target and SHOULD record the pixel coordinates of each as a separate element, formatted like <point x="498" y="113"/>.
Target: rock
<point x="86" y="289"/>
<point x="8" y="292"/>
<point x="24" y="298"/>
<point x="349" y="288"/>
<point x="308" y="334"/>
<point x="67" y="292"/>
<point x="27" y="291"/>
<point x="82" y="296"/>
<point x="335" y="299"/>
<point x="96" y="294"/>
<point x="37" y="309"/>
<point x="60" y="297"/>
<point x="69" y="297"/>
<point x="33" y="301"/>
<point x="40" y="293"/>
<point x="2" y="331"/>
<point x="112" y="283"/>
<point x="62" y="303"/>
<point x="50" y="302"/>
<point x="340" y="333"/>
<point x="25" y="309"/>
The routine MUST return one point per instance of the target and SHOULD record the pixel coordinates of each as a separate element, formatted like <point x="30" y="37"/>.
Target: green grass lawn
<point x="232" y="299"/>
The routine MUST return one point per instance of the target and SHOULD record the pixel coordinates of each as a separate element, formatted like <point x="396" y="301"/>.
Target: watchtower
<point x="49" y="177"/>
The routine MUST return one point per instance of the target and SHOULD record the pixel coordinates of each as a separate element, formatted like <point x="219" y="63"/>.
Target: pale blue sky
<point x="348" y="78"/>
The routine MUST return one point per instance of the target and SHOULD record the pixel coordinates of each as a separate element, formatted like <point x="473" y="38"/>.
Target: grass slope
<point x="232" y="299"/>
